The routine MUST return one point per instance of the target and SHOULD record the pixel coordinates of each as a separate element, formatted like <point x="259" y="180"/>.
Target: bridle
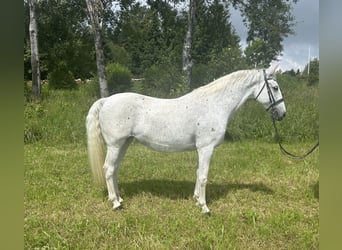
<point x="273" y="104"/>
<point x="269" y="92"/>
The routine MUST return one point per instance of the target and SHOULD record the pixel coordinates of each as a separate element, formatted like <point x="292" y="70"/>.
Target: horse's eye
<point x="275" y="88"/>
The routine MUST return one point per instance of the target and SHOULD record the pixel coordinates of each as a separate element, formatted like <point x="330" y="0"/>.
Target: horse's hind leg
<point x="109" y="169"/>
<point x="114" y="156"/>
<point x="117" y="165"/>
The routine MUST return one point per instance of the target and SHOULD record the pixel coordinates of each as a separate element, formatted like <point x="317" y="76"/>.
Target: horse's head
<point x="268" y="93"/>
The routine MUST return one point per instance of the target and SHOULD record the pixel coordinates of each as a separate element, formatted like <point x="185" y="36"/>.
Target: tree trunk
<point x="93" y="9"/>
<point x="36" y="81"/>
<point x="187" y="60"/>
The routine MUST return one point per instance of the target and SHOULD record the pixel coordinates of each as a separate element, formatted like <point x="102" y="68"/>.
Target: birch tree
<point x="187" y="59"/>
<point x="33" y="29"/>
<point x="94" y="8"/>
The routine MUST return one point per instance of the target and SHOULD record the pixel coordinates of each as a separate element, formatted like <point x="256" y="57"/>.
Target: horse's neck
<point x="234" y="96"/>
<point x="243" y="95"/>
<point x="228" y="93"/>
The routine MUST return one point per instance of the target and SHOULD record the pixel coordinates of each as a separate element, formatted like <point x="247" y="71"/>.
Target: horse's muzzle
<point x="277" y="116"/>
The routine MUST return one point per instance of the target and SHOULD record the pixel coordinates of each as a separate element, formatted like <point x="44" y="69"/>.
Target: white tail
<point x="96" y="146"/>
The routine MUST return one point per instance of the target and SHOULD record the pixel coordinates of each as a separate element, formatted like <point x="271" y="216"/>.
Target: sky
<point x="296" y="47"/>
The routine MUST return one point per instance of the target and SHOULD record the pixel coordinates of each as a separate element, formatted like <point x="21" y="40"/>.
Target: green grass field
<point x="259" y="199"/>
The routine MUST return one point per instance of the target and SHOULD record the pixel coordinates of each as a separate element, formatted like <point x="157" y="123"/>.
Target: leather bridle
<point x="269" y="92"/>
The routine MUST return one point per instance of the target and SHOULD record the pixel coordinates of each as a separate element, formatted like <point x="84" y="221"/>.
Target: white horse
<point x="195" y="121"/>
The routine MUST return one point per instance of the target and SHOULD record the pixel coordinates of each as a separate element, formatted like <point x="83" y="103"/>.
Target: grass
<point x="259" y="200"/>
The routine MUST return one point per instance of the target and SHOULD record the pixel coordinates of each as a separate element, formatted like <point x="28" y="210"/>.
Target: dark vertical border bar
<point x="11" y="136"/>
<point x="330" y="125"/>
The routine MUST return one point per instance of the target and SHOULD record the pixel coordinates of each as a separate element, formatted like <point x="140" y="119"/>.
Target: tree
<point x="311" y="71"/>
<point x="213" y="31"/>
<point x="255" y="54"/>
<point x="268" y="23"/>
<point x="215" y="48"/>
<point x="64" y="37"/>
<point x="151" y="35"/>
<point x="194" y="37"/>
<point x="33" y="29"/>
<point x="187" y="60"/>
<point x="94" y="8"/>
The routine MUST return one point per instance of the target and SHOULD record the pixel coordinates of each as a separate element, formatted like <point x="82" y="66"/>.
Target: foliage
<point x="27" y="61"/>
<point x="213" y="32"/>
<point x="163" y="80"/>
<point x="220" y="64"/>
<point x="141" y="34"/>
<point x="216" y="49"/>
<point x="33" y="113"/>
<point x="269" y="22"/>
<point x="255" y="54"/>
<point x="225" y="62"/>
<point x="63" y="37"/>
<point x="60" y="116"/>
<point x="292" y="72"/>
<point x="118" y="77"/>
<point x="149" y="35"/>
<point x="313" y="77"/>
<point x="114" y="53"/>
<point x="61" y="77"/>
<point x="200" y="75"/>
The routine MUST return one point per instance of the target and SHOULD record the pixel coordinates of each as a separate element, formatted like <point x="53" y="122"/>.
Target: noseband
<point x="270" y="94"/>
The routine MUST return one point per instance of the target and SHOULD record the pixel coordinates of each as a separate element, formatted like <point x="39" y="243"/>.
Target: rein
<point x="287" y="153"/>
<point x="274" y="103"/>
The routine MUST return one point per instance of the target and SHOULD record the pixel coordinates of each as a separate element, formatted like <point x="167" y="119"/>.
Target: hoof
<point x="205" y="210"/>
<point x="116" y="205"/>
<point x="119" y="208"/>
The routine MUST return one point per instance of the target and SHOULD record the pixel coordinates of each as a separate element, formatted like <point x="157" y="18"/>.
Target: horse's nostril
<point x="282" y="116"/>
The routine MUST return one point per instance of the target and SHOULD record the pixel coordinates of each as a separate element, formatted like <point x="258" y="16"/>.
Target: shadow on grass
<point x="184" y="189"/>
<point x="315" y="189"/>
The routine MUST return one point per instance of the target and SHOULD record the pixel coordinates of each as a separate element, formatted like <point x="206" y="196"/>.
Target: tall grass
<point x="60" y="116"/>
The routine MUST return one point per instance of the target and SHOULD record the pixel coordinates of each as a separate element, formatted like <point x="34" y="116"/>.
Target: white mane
<point x="220" y="85"/>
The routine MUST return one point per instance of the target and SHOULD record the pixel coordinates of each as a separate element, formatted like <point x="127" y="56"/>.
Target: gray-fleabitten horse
<point x="195" y="121"/>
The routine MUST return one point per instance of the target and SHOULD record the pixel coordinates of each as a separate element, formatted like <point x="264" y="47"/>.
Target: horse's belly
<point x="167" y="144"/>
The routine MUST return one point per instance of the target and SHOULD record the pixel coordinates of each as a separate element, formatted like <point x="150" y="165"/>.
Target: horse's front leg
<point x="204" y="157"/>
<point x="196" y="191"/>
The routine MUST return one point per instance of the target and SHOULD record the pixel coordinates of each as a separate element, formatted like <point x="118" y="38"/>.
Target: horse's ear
<point x="271" y="71"/>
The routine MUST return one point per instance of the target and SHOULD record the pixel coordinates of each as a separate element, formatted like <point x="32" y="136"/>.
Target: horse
<point x="194" y="121"/>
